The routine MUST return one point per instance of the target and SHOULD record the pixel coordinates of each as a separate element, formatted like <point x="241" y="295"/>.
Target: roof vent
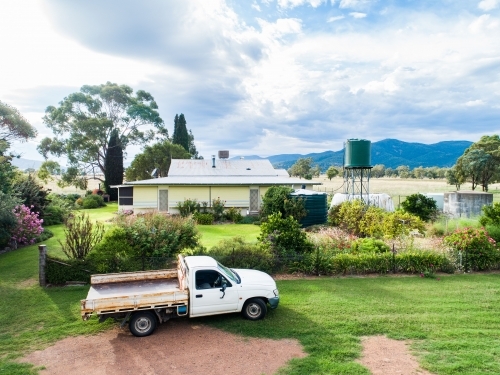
<point x="213" y="161"/>
<point x="224" y="154"/>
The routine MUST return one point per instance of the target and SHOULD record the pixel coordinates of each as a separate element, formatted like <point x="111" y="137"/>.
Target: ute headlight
<point x="276" y="293"/>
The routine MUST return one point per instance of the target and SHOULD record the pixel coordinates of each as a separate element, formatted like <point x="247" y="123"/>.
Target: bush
<point x="81" y="236"/>
<point x="93" y="201"/>
<point x="234" y="215"/>
<point x="348" y="215"/>
<point x="248" y="219"/>
<point x="370" y="246"/>
<point x="218" y="208"/>
<point x="157" y="235"/>
<point x="278" y="199"/>
<point x="203" y="219"/>
<point x="58" y="209"/>
<point x="79" y="202"/>
<point x="371" y="223"/>
<point x="236" y="253"/>
<point x="8" y="220"/>
<point x="473" y="249"/>
<point x="188" y="207"/>
<point x="334" y="240"/>
<point x="31" y="193"/>
<point x="399" y="223"/>
<point x="421" y="206"/>
<point x="28" y="227"/>
<point x="111" y="254"/>
<point x="45" y="235"/>
<point x="283" y="237"/>
<point x="491" y="215"/>
<point x="60" y="271"/>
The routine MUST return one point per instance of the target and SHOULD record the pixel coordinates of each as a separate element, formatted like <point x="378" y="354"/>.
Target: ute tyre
<point x="142" y="323"/>
<point x="254" y="309"/>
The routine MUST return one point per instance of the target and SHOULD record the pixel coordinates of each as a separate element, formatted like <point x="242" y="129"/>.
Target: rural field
<point x="450" y="323"/>
<point x="400" y="188"/>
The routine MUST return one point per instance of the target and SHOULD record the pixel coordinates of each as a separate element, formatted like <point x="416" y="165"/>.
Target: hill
<point x="390" y="152"/>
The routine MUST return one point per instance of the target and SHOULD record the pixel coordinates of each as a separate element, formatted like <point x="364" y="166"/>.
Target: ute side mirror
<point x="223" y="290"/>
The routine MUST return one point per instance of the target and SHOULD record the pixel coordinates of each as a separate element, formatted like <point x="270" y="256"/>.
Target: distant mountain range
<point x="390" y="152"/>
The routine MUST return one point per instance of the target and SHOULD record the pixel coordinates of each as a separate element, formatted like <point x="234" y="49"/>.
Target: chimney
<point x="213" y="161"/>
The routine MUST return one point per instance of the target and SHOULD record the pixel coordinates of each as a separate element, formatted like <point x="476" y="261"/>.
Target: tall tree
<point x="113" y="173"/>
<point x="332" y="172"/>
<point x="13" y="126"/>
<point x="84" y="121"/>
<point x="157" y="156"/>
<point x="181" y="136"/>
<point x="480" y="163"/>
<point x="302" y="168"/>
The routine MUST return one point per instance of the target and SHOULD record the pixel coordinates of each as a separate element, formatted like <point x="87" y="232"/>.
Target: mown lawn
<point x="453" y="323"/>
<point x="212" y="234"/>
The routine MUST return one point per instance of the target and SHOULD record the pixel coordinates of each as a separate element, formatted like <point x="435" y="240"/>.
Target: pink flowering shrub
<point x="28" y="227"/>
<point x="474" y="248"/>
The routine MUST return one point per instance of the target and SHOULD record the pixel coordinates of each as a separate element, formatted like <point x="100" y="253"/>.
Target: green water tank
<point x="358" y="153"/>
<point x="315" y="203"/>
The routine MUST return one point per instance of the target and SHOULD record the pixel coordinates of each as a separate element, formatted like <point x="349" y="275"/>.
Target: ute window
<point x="208" y="279"/>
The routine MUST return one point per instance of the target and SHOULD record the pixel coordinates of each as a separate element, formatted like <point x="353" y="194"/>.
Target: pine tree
<point x="181" y="136"/>
<point x="113" y="171"/>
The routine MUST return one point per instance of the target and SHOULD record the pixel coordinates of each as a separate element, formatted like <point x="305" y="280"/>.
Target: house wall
<point x="178" y="194"/>
<point x="145" y="198"/>
<point x="235" y="196"/>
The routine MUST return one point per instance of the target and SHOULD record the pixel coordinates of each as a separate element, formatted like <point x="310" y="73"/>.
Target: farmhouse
<point x="240" y="183"/>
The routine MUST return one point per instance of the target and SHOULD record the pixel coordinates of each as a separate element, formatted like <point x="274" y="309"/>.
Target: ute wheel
<point x="142" y="323"/>
<point x="254" y="309"/>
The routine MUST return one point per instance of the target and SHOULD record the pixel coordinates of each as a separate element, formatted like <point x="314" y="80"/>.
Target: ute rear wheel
<point x="142" y="323"/>
<point x="254" y="309"/>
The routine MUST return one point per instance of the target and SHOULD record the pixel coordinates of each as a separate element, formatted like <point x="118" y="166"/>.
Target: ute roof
<point x="200" y="261"/>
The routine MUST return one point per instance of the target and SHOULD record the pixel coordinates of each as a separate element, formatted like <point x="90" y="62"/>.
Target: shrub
<point x="473" y="249"/>
<point x="236" y="253"/>
<point x="371" y="223"/>
<point x="155" y="234"/>
<point x="188" y="207"/>
<point x="334" y="240"/>
<point x="31" y="193"/>
<point x="57" y="210"/>
<point x="283" y="237"/>
<point x="399" y="223"/>
<point x="28" y="227"/>
<point x="491" y="215"/>
<point x="349" y="215"/>
<point x="203" y="219"/>
<point x="218" y="208"/>
<point x="79" y="202"/>
<point x="8" y="220"/>
<point x="111" y="254"/>
<point x="249" y="219"/>
<point x="81" y="236"/>
<point x="233" y="214"/>
<point x="93" y="201"/>
<point x="45" y="235"/>
<point x="369" y="245"/>
<point x="278" y="199"/>
<point x="421" y="206"/>
<point x="60" y="271"/>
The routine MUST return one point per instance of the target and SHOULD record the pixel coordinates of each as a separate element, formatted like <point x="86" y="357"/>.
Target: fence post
<point x="42" y="263"/>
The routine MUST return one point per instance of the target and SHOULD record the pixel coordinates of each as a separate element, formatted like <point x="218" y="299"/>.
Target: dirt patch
<point x="389" y="357"/>
<point x="177" y="347"/>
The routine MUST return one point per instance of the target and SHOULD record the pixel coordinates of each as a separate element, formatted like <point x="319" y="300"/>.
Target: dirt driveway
<point x="176" y="348"/>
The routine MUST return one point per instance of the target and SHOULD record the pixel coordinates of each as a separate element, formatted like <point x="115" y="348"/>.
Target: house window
<point x="254" y="200"/>
<point x="126" y="196"/>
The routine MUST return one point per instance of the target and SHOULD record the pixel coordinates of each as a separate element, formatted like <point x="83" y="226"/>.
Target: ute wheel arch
<point x="254" y="309"/>
<point x="143" y="323"/>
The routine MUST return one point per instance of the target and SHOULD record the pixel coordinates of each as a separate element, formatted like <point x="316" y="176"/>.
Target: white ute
<point x="199" y="286"/>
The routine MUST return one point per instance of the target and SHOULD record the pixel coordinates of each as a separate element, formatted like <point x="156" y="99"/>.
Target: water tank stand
<point x="357" y="183"/>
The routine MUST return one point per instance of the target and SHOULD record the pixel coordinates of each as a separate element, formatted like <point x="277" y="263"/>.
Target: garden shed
<point x="240" y="183"/>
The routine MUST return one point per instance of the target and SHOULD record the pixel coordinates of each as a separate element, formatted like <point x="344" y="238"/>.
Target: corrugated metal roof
<point x="223" y="167"/>
<point x="224" y="180"/>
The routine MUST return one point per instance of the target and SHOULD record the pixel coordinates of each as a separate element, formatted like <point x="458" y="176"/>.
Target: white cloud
<point x="281" y="27"/>
<point x="290" y="4"/>
<point x="256" y="7"/>
<point x="488" y="5"/>
<point x="333" y="19"/>
<point x="357" y="15"/>
<point x="474" y="103"/>
<point x="353" y="4"/>
<point x="483" y="23"/>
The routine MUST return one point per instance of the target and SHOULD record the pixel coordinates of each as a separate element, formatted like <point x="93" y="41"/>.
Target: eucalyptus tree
<point x="84" y="122"/>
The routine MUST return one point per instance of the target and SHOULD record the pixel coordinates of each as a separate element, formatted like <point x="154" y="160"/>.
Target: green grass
<point x="453" y="323"/>
<point x="212" y="234"/>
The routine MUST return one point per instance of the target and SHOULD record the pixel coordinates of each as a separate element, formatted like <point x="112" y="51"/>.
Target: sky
<point x="265" y="77"/>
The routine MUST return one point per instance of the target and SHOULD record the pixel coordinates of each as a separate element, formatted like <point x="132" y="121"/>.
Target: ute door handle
<point x="199" y="295"/>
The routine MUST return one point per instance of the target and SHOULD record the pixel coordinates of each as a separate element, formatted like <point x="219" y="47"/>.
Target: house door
<point x="254" y="200"/>
<point x="163" y="200"/>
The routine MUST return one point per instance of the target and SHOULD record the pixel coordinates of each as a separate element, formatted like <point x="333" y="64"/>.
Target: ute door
<point x="207" y="297"/>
